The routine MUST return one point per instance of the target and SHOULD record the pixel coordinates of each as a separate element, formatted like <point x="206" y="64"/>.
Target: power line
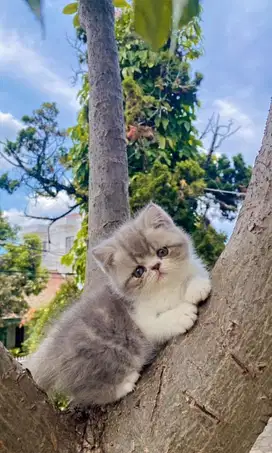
<point x="29" y="247"/>
<point x="229" y="192"/>
<point x="53" y="274"/>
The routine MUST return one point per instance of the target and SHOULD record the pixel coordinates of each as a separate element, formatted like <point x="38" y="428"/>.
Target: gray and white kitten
<point x="95" y="352"/>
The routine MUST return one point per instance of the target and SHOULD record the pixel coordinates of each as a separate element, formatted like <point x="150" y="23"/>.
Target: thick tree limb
<point x="28" y="422"/>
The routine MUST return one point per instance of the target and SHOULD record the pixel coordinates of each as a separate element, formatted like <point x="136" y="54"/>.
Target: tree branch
<point x="53" y="219"/>
<point x="229" y="192"/>
<point x="218" y="137"/>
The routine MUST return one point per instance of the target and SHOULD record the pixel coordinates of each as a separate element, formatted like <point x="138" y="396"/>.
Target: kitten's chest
<point x="160" y="302"/>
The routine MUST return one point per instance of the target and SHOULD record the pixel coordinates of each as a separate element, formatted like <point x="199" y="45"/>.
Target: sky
<point x="236" y="65"/>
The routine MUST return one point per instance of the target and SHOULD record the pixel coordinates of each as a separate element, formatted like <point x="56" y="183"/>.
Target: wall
<point x="60" y="231"/>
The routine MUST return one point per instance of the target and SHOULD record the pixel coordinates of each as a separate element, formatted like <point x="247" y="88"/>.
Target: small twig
<point x="230" y="192"/>
<point x="53" y="219"/>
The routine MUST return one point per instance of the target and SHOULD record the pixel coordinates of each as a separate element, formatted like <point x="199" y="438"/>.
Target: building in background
<point x="55" y="243"/>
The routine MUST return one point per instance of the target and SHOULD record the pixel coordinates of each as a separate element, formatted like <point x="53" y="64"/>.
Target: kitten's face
<point x="144" y="254"/>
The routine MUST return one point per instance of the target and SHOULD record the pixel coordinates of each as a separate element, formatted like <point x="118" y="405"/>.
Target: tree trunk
<point x="108" y="198"/>
<point x="208" y="392"/>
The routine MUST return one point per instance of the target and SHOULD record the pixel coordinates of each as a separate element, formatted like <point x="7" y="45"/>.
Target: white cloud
<point x="224" y="226"/>
<point x="19" y="58"/>
<point x="9" y="121"/>
<point x="230" y="111"/>
<point x="40" y="207"/>
<point x="16" y="217"/>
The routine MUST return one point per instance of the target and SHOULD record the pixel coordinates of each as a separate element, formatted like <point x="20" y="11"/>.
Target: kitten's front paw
<point x="198" y="290"/>
<point x="186" y="317"/>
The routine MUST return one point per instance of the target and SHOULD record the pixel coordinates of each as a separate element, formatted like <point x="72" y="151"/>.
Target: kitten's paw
<point x="128" y="385"/>
<point x="198" y="290"/>
<point x="187" y="316"/>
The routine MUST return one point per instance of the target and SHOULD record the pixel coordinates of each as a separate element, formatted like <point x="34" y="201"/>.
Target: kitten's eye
<point x="161" y="253"/>
<point x="139" y="271"/>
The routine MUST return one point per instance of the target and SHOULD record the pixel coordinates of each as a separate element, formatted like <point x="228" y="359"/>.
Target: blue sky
<point x="236" y="65"/>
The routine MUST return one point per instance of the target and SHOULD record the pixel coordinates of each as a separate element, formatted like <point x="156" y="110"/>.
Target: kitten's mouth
<point x="160" y="275"/>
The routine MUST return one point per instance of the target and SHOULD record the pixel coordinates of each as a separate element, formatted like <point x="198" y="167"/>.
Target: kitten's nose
<point x="156" y="267"/>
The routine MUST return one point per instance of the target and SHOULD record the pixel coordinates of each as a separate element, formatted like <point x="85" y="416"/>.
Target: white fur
<point x="128" y="385"/>
<point x="169" y="309"/>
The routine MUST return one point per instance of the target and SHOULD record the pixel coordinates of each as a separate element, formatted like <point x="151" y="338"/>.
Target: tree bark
<point x="28" y="422"/>
<point x="108" y="198"/>
<point x="207" y="392"/>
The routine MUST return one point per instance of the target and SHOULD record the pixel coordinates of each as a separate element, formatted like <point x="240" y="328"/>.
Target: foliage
<point x="77" y="255"/>
<point x="7" y="232"/>
<point x="21" y="273"/>
<point x="16" y="352"/>
<point x="41" y="319"/>
<point x="165" y="164"/>
<point x="160" y="96"/>
<point x="226" y="175"/>
<point x="208" y="242"/>
<point x="38" y="156"/>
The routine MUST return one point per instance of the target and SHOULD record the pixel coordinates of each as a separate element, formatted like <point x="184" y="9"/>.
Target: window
<point x="69" y="243"/>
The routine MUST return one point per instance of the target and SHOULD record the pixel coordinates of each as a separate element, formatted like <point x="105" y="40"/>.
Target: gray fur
<point x="91" y="350"/>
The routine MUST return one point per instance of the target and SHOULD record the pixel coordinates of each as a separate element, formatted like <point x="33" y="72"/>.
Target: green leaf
<point x="153" y="20"/>
<point x="190" y="10"/>
<point x="171" y="143"/>
<point x="76" y="20"/>
<point x="165" y="122"/>
<point x="157" y="121"/>
<point x="162" y="142"/>
<point x="183" y="12"/>
<point x="120" y="4"/>
<point x="187" y="126"/>
<point x="156" y="20"/>
<point x="71" y="8"/>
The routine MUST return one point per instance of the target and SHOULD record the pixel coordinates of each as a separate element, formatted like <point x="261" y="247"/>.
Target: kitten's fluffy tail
<point x="41" y="371"/>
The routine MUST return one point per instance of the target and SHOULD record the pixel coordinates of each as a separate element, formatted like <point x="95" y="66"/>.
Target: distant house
<point x="55" y="243"/>
<point x="62" y="235"/>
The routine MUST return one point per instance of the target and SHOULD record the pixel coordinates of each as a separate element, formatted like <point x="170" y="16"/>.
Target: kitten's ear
<point x="103" y="253"/>
<point x="154" y="216"/>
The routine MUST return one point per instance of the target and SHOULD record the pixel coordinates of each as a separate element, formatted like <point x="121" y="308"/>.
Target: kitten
<point x="97" y="349"/>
